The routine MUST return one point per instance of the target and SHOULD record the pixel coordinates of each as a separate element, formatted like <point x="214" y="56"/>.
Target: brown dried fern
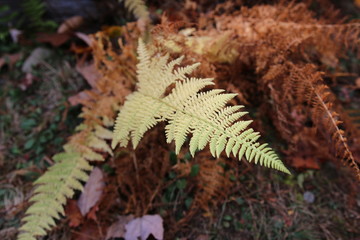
<point x="273" y="42"/>
<point x="309" y="87"/>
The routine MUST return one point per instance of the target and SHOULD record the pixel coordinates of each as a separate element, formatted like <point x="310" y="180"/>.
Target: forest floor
<point x="36" y="118"/>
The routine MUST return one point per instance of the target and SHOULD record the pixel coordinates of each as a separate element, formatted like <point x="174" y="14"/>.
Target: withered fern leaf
<point x="309" y="86"/>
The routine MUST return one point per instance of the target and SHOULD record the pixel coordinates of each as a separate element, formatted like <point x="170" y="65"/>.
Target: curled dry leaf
<point x="144" y="226"/>
<point x="71" y="24"/>
<point x="92" y="191"/>
<point x="84" y="37"/>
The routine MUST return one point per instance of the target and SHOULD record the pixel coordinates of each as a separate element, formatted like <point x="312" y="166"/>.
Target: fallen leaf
<point x="71" y="24"/>
<point x="89" y="72"/>
<point x="72" y="212"/>
<point x="84" y="37"/>
<point x="307" y="163"/>
<point x="143" y="227"/>
<point x="117" y="229"/>
<point x="92" y="191"/>
<point x="37" y="56"/>
<point x="55" y="39"/>
<point x="92" y="213"/>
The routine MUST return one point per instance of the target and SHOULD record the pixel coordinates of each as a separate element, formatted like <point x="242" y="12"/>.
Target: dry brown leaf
<point x="89" y="72"/>
<point x="92" y="191"/>
<point x="117" y="229"/>
<point x="55" y="39"/>
<point x="307" y="163"/>
<point x="144" y="226"/>
<point x="73" y="213"/>
<point x="71" y="24"/>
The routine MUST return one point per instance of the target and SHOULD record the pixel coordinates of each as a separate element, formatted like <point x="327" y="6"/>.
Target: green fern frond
<point x="187" y="111"/>
<point x="60" y="182"/>
<point x="138" y="7"/>
<point x="34" y="11"/>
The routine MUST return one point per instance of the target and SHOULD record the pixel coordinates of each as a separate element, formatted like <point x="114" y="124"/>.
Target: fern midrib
<point x="229" y="135"/>
<point x="328" y="112"/>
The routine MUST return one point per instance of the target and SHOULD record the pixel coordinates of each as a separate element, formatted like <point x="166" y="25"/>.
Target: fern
<point x="203" y="114"/>
<point x="138" y="7"/>
<point x="61" y="180"/>
<point x="34" y="10"/>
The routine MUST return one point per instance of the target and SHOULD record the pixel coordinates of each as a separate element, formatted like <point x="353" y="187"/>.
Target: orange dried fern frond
<point x="309" y="88"/>
<point x="117" y="73"/>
